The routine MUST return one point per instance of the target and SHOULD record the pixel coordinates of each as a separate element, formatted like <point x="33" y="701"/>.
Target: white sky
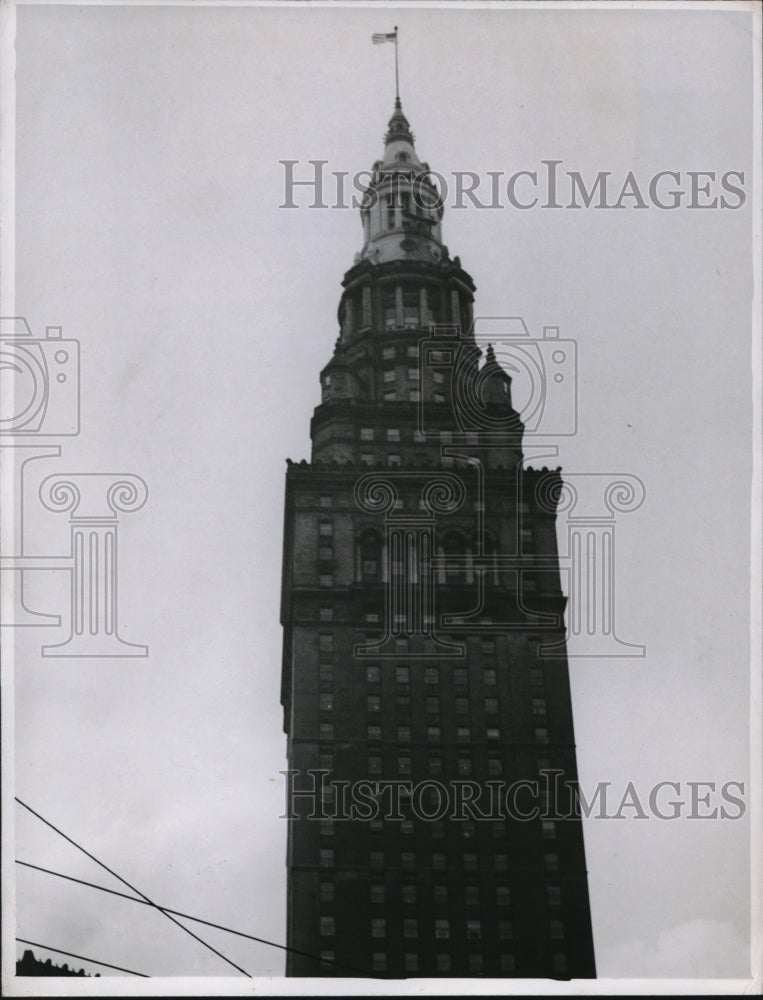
<point x="147" y="225"/>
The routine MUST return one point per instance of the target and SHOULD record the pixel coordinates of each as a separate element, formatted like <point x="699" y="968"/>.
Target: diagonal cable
<point x="199" y="920"/>
<point x="132" y="887"/>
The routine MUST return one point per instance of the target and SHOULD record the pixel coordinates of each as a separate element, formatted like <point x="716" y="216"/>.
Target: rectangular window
<point x="327" y="926"/>
<point x="499" y="829"/>
<point x="406" y="827"/>
<point x="438" y="862"/>
<point x="462" y="706"/>
<point x="539" y="706"/>
<point x="327" y="892"/>
<point x="366" y="433"/>
<point x="411" y="307"/>
<point x="327" y="702"/>
<point x="473" y="930"/>
<point x="419" y="437"/>
<point x="439" y="398"/>
<point x="326" y="674"/>
<point x="404" y="734"/>
<point x="371" y="618"/>
<point x="557" y="929"/>
<point x="536" y="677"/>
<point x="434" y="734"/>
<point x="434" y="765"/>
<point x="379" y="961"/>
<point x="491" y="706"/>
<point x="374" y="765"/>
<point x="501" y="862"/>
<point x="503" y="895"/>
<point x="431" y="675"/>
<point x="401" y="645"/>
<point x="470" y="862"/>
<point x="327" y="730"/>
<point x="374" y="733"/>
<point x="404" y="765"/>
<point x="326" y="858"/>
<point x="438" y="377"/>
<point x="326" y="762"/>
<point x="463" y="734"/>
<point x="414" y="396"/>
<point x="488" y="646"/>
<point x="440" y="893"/>
<point x="327" y="825"/>
<point x="412" y="351"/>
<point x="553" y="895"/>
<point x="409" y="894"/>
<point x="378" y="927"/>
<point x="411" y="962"/>
<point x="326" y="529"/>
<point x="325" y="552"/>
<point x="505" y="930"/>
<point x="413" y="374"/>
<point x="326" y="579"/>
<point x="559" y="963"/>
<point x="408" y="860"/>
<point x="541" y="736"/>
<point x="551" y="862"/>
<point x="402" y="675"/>
<point x="377" y="859"/>
<point x="489" y="677"/>
<point x="433" y="705"/>
<point x="410" y="928"/>
<point x="442" y="929"/>
<point x="549" y="829"/>
<point x="493" y="734"/>
<point x="390" y="395"/>
<point x="367" y="458"/>
<point x="460" y="676"/>
<point x="443" y="963"/>
<point x="393" y="460"/>
<point x="464" y="767"/>
<point x="508" y="963"/>
<point x="393" y="434"/>
<point x="373" y="674"/>
<point x="475" y="963"/>
<point x="373" y="703"/>
<point x="388" y="353"/>
<point x="472" y="894"/>
<point x="437" y="829"/>
<point x="325" y="642"/>
<point x="389" y="375"/>
<point x="327" y="614"/>
<point x="494" y="767"/>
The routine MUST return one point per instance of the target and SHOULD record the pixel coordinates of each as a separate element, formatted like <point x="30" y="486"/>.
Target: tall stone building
<point x="425" y="684"/>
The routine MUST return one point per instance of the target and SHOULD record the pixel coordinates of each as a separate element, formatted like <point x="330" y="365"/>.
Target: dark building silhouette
<point x="420" y="582"/>
<point x="29" y="965"/>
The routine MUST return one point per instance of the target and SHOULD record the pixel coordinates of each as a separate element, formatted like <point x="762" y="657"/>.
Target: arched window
<point x="369" y="557"/>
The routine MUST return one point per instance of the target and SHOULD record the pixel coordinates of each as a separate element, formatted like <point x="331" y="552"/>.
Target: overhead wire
<point x="200" y="920"/>
<point x="124" y="881"/>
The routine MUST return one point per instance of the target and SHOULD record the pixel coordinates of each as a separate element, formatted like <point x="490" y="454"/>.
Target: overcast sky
<point x="148" y="225"/>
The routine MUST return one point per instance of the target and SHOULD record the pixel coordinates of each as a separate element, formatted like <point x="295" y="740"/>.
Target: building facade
<point x="425" y="684"/>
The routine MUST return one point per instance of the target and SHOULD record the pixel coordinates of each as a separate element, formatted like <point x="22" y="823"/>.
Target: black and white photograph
<point x="381" y="473"/>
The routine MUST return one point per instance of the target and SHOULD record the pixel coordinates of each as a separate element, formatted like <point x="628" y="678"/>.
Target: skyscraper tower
<point x="425" y="684"/>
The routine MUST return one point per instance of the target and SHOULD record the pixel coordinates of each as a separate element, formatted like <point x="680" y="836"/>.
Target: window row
<point x="443" y="962"/>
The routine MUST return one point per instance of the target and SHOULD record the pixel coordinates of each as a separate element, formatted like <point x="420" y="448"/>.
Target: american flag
<point x="380" y="38"/>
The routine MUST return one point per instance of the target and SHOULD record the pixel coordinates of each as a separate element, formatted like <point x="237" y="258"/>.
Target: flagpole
<point x="397" y="77"/>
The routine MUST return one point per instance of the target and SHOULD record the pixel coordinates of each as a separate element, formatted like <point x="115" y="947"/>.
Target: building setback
<point x="420" y="581"/>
